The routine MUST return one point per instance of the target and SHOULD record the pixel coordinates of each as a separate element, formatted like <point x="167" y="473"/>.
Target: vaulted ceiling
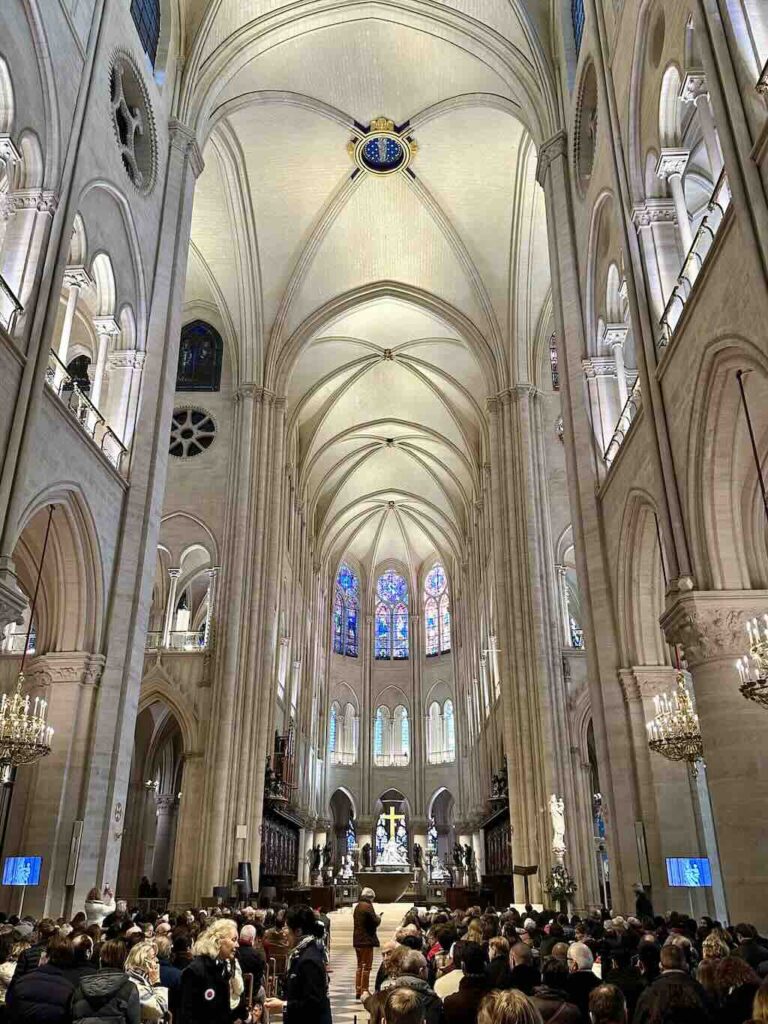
<point x="387" y="308"/>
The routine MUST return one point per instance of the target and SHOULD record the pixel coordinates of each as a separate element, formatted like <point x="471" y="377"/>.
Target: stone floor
<point x="345" y="1008"/>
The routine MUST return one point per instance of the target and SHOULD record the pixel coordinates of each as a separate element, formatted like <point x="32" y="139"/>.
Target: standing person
<point x="607" y="1005"/>
<point x="98" y="906"/>
<point x="365" y="939"/>
<point x="643" y="905"/>
<point x="462" y="1006"/>
<point x="581" y="979"/>
<point x="143" y="968"/>
<point x="109" y="994"/>
<point x="44" y="995"/>
<point x="205" y="983"/>
<point x="29" y="959"/>
<point x="306" y="983"/>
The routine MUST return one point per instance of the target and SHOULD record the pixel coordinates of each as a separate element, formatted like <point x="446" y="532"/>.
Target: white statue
<point x="393" y="855"/>
<point x="557" y="813"/>
<point x="346" y="868"/>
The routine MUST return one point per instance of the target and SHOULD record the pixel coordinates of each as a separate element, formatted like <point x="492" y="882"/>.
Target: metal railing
<point x="10" y="306"/>
<point x="441" y="757"/>
<point x="13" y="643"/>
<point x="391" y="760"/>
<point x="343" y="758"/>
<point x="90" y="420"/>
<point x="628" y="413"/>
<point x="694" y="261"/>
<point x="178" y="640"/>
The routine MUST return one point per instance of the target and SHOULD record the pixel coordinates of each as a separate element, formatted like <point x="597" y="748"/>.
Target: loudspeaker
<point x="221" y="893"/>
<point x="246" y="877"/>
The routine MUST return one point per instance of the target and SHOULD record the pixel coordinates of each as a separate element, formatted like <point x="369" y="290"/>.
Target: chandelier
<point x="674" y="730"/>
<point x="25" y="735"/>
<point x="753" y="667"/>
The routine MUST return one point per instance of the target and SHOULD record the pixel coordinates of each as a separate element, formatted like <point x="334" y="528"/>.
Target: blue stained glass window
<point x="333" y="728"/>
<point x="577" y="17"/>
<point x="381" y="153"/>
<point x="199" y="366"/>
<point x="432" y="837"/>
<point x="345" y="612"/>
<point x="391" y="619"/>
<point x="378" y="734"/>
<point x="351" y="837"/>
<point x="146" y="18"/>
<point x="405" y="733"/>
<point x="437" y="612"/>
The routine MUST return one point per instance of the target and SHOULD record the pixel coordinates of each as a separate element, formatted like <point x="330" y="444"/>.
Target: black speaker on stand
<point x="244" y="880"/>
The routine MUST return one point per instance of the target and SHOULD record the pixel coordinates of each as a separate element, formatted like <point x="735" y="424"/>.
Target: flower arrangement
<point x="559" y="883"/>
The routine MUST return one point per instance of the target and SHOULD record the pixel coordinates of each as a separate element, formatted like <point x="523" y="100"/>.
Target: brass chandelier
<point x="753" y="667"/>
<point x="674" y="730"/>
<point x="25" y="735"/>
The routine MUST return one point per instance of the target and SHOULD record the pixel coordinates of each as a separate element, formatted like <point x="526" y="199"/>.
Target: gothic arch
<point x="158" y="687"/>
<point x="640" y="583"/>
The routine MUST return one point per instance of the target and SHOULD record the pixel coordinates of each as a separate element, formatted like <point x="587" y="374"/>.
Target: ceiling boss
<point x="382" y="148"/>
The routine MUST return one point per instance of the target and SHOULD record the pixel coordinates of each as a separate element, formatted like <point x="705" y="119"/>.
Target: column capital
<point x="654" y="211"/>
<point x="126" y="359"/>
<point x="712" y="624"/>
<point x="174" y="573"/>
<point x="615" y="334"/>
<point x="77" y="277"/>
<point x="184" y="139"/>
<point x="599" y="366"/>
<point x="672" y="161"/>
<point x="694" y="86"/>
<point x="644" y="682"/>
<point x="106" y="325"/>
<point x="42" y="200"/>
<point x="8" y="151"/>
<point x="65" y="667"/>
<point x="12" y="600"/>
<point x="549" y="151"/>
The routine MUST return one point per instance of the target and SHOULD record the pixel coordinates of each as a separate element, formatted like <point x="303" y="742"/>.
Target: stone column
<point x="170" y="606"/>
<point x="711" y="627"/>
<point x="45" y="806"/>
<point x="186" y="864"/>
<point x="209" y="617"/>
<point x="600" y="373"/>
<point x="75" y="279"/>
<point x="106" y="327"/>
<point x="562" y="598"/>
<point x="694" y="90"/>
<point x="166" y="811"/>
<point x="124" y="368"/>
<point x="615" y="336"/>
<point x="655" y="222"/>
<point x="670" y="168"/>
<point x="29" y="214"/>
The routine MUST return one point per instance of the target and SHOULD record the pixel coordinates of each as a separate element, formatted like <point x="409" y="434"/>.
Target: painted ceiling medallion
<point x="381" y="148"/>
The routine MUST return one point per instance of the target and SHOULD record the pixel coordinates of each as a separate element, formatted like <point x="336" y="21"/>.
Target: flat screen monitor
<point x="689" y="872"/>
<point x="22" y="870"/>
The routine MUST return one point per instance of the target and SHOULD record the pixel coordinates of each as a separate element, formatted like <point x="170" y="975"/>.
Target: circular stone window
<point x="382" y="149"/>
<point x="192" y="431"/>
<point x="585" y="128"/>
<point x="133" y="122"/>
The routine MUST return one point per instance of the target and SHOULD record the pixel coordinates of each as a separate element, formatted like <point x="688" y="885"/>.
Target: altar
<point x="389" y="886"/>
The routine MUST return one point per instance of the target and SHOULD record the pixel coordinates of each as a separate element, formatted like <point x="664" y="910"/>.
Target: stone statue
<point x="393" y="855"/>
<point x="469" y="854"/>
<point x="417" y="856"/>
<point x="557" y="813"/>
<point x="317" y="855"/>
<point x="327" y="855"/>
<point x="458" y="856"/>
<point x="366" y="851"/>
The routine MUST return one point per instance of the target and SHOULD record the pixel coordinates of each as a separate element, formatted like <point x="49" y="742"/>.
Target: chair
<point x="248" y="980"/>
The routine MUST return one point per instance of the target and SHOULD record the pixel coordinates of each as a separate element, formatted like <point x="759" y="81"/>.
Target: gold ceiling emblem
<point x="382" y="147"/>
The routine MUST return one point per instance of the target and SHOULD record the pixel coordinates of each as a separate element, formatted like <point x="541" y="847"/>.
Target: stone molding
<point x="77" y="277"/>
<point x="259" y="394"/>
<point x="65" y="667"/>
<point x="672" y="161"/>
<point x="549" y="151"/>
<point x="8" y="151"/>
<point x="644" y="682"/>
<point x="165" y="802"/>
<point x="127" y="358"/>
<point x="654" y="211"/>
<point x="42" y="200"/>
<point x="509" y="395"/>
<point x="106" y="325"/>
<point x="12" y="601"/>
<point x="712" y="624"/>
<point x="615" y="334"/>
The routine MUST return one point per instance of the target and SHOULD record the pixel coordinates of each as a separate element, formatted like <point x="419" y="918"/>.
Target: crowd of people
<point x="221" y="966"/>
<point x="508" y="968"/>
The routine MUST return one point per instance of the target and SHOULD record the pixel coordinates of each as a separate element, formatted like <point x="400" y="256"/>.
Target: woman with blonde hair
<point x="143" y="968"/>
<point x="205" y="984"/>
<point x="760" y="1005"/>
<point x="508" y="1007"/>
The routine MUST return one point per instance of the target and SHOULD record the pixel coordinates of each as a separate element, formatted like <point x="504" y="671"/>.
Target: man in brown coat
<point x="364" y="938"/>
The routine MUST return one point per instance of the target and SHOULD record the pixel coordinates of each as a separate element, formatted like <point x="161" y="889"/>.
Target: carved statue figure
<point x="458" y="856"/>
<point x="469" y="854"/>
<point x="366" y="852"/>
<point x="317" y="855"/>
<point x="327" y="852"/>
<point x="557" y="813"/>
<point x="417" y="855"/>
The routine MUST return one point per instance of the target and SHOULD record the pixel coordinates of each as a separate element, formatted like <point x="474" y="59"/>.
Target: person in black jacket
<point x="252" y="959"/>
<point x="30" y="958"/>
<point x="675" y="995"/>
<point x="364" y="938"/>
<point x="306" y="982"/>
<point x="108" y="995"/>
<point x="44" y="995"/>
<point x="205" y="983"/>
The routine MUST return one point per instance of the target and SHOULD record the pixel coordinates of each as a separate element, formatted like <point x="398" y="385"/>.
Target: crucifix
<point x="392" y="819"/>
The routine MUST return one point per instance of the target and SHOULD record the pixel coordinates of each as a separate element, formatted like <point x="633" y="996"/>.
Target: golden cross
<point x="392" y="818"/>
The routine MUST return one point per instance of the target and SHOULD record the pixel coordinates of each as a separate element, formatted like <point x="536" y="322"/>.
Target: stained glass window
<point x="384" y="826"/>
<point x="391" y="618"/>
<point x="333" y="728"/>
<point x="432" y="837"/>
<point x="437" y="612"/>
<point x="402" y="736"/>
<point x="345" y="606"/>
<point x="199" y="367"/>
<point x="351" y="837"/>
<point x="449" y="730"/>
<point x="577" y="17"/>
<point x="441" y="733"/>
<point x="382" y="720"/>
<point x="146" y="18"/>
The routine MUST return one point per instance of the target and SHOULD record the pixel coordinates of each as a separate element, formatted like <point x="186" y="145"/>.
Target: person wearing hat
<point x="364" y="938"/>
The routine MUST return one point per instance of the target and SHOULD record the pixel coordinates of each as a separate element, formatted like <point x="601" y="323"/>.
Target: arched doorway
<point x="440" y="831"/>
<point x="344" y="828"/>
<point x="392" y="822"/>
<point x="154" y="796"/>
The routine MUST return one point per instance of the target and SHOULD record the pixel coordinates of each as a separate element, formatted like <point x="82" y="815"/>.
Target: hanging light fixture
<point x="674" y="730"/>
<point x="753" y="667"/>
<point x="25" y="735"/>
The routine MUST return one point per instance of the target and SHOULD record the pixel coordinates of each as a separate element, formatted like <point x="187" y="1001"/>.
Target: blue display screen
<point x="689" y="872"/>
<point x="22" y="870"/>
